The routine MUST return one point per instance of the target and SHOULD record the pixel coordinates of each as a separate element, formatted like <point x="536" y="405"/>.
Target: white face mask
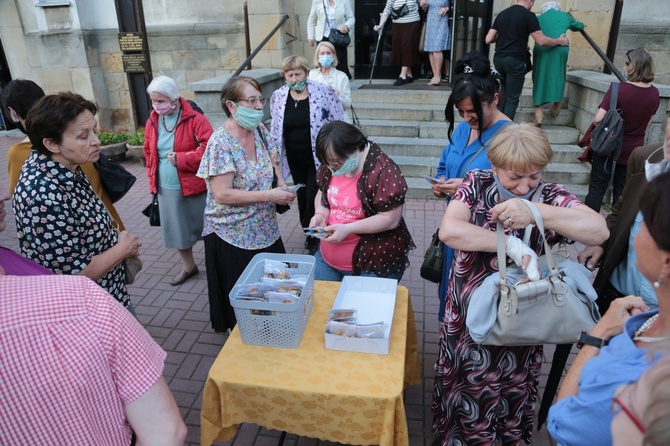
<point x="652" y="170"/>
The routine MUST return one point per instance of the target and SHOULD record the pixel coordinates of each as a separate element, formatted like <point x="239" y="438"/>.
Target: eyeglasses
<point x="619" y="406"/>
<point x="254" y="100"/>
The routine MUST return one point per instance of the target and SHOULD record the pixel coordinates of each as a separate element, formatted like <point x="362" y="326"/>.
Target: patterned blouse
<point x="381" y="188"/>
<point x="248" y="227"/>
<point x="62" y="224"/>
<point x="324" y="106"/>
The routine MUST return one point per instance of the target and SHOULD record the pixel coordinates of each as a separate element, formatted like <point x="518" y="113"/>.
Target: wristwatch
<point x="587" y="339"/>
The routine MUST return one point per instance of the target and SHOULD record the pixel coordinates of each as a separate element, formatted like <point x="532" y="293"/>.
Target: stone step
<point x="413" y="129"/>
<point x="432" y="113"/>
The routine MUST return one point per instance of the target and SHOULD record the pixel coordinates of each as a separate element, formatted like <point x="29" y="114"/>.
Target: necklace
<point x="302" y="96"/>
<point x="175" y="123"/>
<point x="640" y="331"/>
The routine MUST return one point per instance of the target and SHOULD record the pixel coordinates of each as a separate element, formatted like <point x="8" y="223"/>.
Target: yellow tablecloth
<point x="348" y="397"/>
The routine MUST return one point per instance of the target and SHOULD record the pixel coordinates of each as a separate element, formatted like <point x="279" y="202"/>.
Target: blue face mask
<point x="625" y="74"/>
<point x="248" y="118"/>
<point x="297" y="86"/>
<point x="508" y="195"/>
<point x="347" y="167"/>
<point x="326" y="60"/>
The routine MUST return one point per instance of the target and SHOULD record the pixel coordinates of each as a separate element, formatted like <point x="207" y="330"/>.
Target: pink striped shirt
<point x="71" y="357"/>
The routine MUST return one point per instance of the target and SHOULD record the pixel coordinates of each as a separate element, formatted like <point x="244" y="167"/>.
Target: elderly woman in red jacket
<point x="175" y="139"/>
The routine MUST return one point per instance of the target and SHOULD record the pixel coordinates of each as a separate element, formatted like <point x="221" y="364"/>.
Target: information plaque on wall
<point x="131" y="42"/>
<point x="134" y="63"/>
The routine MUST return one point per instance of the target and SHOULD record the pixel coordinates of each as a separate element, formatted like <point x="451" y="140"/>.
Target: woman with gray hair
<point x="175" y="139"/>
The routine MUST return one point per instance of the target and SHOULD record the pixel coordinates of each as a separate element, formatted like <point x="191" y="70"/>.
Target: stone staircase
<point x="409" y="126"/>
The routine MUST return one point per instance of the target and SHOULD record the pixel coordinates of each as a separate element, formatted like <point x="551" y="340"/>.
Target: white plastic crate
<point x="274" y="324"/>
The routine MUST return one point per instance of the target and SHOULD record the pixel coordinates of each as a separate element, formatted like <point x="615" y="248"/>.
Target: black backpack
<point x="607" y="137"/>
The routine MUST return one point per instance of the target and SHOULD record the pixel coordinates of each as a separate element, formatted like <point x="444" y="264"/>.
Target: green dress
<point x="549" y="62"/>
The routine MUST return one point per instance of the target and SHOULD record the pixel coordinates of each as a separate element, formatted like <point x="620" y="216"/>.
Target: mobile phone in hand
<point x="431" y="180"/>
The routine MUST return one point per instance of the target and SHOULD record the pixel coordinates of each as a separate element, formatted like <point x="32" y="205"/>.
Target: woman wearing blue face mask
<point x="174" y="140"/>
<point x="360" y="203"/>
<point x="491" y="377"/>
<point x="326" y="61"/>
<point x="299" y="109"/>
<point x="240" y="216"/>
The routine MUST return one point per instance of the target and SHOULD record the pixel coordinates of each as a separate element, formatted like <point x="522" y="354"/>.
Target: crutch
<point x="374" y="60"/>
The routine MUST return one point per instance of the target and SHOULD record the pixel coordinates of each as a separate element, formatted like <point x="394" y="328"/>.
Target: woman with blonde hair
<point x="299" y="109"/>
<point x="473" y="381"/>
<point x="326" y="62"/>
<point x="325" y="15"/>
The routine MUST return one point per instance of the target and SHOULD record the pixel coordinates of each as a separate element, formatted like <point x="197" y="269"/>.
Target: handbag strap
<point x="325" y="12"/>
<point x="614" y="96"/>
<point x="502" y="248"/>
<point x="354" y="116"/>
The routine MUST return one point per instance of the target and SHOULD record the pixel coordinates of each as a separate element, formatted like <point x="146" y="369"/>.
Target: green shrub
<point x="137" y="137"/>
<point x="108" y="136"/>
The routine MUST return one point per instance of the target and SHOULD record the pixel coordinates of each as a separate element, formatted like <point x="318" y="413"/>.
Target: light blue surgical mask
<point x="508" y="195"/>
<point x="347" y="166"/>
<point x="625" y="74"/>
<point x="248" y="118"/>
<point x="326" y="60"/>
<point x="652" y="170"/>
<point x="297" y="86"/>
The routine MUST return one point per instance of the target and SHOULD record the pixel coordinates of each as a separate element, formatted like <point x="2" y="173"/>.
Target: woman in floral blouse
<point x="240" y="215"/>
<point x="60" y="221"/>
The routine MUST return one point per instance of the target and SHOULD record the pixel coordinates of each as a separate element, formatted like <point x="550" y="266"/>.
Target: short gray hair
<point x="164" y="85"/>
<point x="556" y="6"/>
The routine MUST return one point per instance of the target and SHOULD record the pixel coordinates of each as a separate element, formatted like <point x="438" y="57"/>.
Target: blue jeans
<point x="513" y="73"/>
<point x="323" y="271"/>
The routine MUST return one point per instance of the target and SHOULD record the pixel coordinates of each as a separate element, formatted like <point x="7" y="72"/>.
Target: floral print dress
<point x="485" y="393"/>
<point x="62" y="224"/>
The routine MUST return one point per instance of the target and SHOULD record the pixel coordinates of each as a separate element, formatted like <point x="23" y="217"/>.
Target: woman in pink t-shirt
<point x="360" y="202"/>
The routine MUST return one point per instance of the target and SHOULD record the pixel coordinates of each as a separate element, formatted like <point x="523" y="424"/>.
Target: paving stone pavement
<point x="178" y="317"/>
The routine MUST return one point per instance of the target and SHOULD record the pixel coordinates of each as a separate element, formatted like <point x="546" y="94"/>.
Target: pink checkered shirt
<point x="71" y="357"/>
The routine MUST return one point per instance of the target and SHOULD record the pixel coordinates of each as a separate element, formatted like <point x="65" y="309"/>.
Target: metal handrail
<point x="602" y="55"/>
<point x="261" y="45"/>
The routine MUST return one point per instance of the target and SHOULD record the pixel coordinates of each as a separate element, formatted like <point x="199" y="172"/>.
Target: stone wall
<point x="653" y="36"/>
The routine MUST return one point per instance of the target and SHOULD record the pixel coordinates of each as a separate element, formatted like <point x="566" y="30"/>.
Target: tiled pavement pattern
<point x="178" y="317"/>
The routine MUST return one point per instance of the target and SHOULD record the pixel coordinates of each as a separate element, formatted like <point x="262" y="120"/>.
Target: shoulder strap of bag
<point x="325" y="12"/>
<point x="502" y="248"/>
<point x="485" y="145"/>
<point x="614" y="96"/>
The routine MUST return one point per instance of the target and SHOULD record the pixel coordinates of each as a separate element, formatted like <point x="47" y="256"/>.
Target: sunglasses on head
<point x="628" y="62"/>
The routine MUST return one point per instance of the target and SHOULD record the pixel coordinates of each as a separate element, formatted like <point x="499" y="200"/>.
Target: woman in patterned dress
<point x="240" y="216"/>
<point x="60" y="221"/>
<point x="485" y="395"/>
<point x="438" y="35"/>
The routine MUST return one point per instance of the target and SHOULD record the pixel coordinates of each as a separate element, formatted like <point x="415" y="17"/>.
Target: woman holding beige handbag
<point x="468" y="374"/>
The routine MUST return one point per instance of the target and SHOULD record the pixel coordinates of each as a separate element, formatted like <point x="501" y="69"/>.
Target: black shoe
<point x="409" y="80"/>
<point x="400" y="81"/>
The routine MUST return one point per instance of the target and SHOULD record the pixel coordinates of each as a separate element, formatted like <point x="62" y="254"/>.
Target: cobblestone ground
<point x="178" y="317"/>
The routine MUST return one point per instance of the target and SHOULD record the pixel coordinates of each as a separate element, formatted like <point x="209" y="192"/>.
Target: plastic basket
<point x="274" y="324"/>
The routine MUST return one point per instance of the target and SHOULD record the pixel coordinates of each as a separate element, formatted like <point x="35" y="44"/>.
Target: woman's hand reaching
<point x="339" y="233"/>
<point x="523" y="256"/>
<point x="512" y="213"/>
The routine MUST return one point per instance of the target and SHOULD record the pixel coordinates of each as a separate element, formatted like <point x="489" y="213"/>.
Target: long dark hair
<point x="474" y="79"/>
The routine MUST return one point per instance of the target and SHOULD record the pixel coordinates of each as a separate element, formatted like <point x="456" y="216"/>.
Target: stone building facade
<point x="73" y="45"/>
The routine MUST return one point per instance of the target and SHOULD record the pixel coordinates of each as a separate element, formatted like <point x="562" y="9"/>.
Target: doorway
<point x="472" y="19"/>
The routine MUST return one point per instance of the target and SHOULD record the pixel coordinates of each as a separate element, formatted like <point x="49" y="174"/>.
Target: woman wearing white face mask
<point x="174" y="140"/>
<point x="360" y="202"/>
<point x="326" y="61"/>
<point x="240" y="216"/>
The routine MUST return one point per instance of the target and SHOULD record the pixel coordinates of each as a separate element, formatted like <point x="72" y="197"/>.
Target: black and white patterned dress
<point x="61" y="223"/>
